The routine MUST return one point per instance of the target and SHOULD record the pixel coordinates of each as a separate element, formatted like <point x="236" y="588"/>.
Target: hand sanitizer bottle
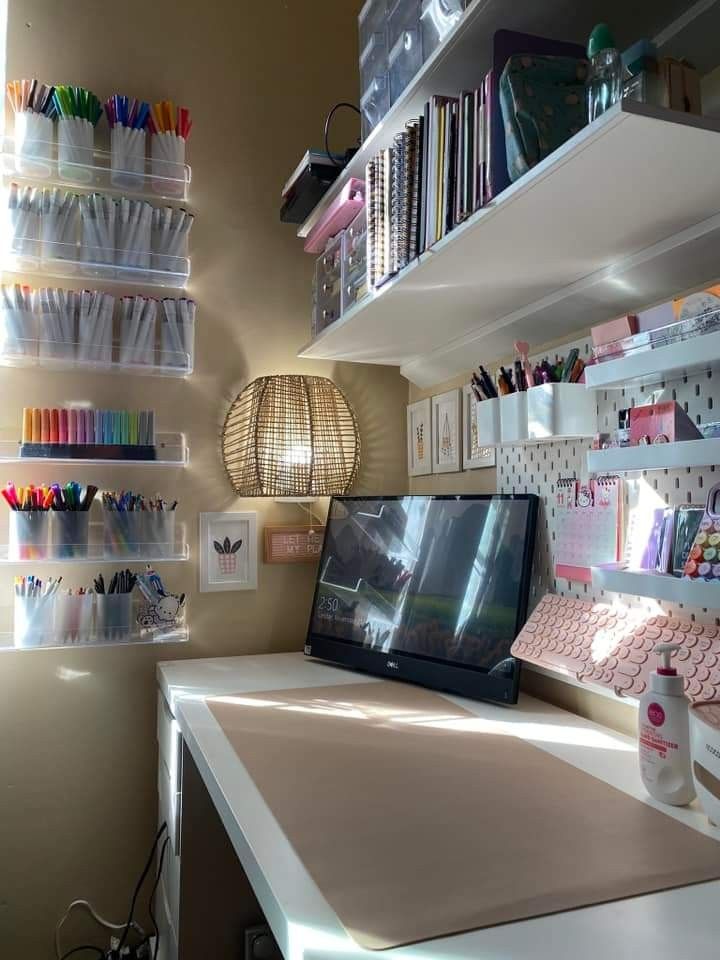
<point x="663" y="727"/>
<point x="604" y="83"/>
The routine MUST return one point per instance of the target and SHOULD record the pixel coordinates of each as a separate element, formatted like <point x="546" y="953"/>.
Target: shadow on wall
<point x="380" y="410"/>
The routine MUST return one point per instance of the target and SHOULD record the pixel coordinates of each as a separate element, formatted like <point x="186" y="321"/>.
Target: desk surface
<point x="677" y="923"/>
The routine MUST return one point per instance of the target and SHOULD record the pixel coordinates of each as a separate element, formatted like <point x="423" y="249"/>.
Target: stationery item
<point x="127" y="118"/>
<point x="610" y="645"/>
<point x="137" y="330"/>
<point x="588" y="526"/>
<point x="22" y="236"/>
<point x="33" y="611"/>
<point x="133" y="233"/>
<point x="113" y="611"/>
<point x="73" y="616"/>
<point x="161" y="608"/>
<point x="169" y="130"/>
<point x="138" y="526"/>
<point x="643" y="542"/>
<point x="686" y="526"/>
<point x="19" y="329"/>
<point x="34" y="108"/>
<point x="107" y="435"/>
<point x="95" y="322"/>
<point x="59" y="218"/>
<point x="343" y="209"/>
<point x="177" y="333"/>
<point x="663" y="422"/>
<point x="705" y="754"/>
<point x="170" y="229"/>
<point x="703" y="561"/>
<point x="97" y="215"/>
<point x="78" y="113"/>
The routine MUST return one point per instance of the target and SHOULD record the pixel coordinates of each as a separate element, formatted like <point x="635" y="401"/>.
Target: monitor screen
<point x="429" y="589"/>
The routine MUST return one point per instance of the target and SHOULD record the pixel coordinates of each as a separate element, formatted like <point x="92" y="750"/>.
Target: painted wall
<point x="77" y="728"/>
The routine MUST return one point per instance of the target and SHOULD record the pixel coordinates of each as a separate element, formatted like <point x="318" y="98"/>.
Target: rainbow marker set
<point x="87" y="434"/>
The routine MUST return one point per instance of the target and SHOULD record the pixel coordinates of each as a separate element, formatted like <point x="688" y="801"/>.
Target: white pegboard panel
<point x="537" y="468"/>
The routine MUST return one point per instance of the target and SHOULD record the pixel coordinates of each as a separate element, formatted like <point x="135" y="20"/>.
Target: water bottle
<point x="604" y="84"/>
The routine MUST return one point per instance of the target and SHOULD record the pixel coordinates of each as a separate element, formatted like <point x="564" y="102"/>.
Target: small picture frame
<point x="228" y="551"/>
<point x="475" y="455"/>
<point x="419" y="438"/>
<point x="446" y="432"/>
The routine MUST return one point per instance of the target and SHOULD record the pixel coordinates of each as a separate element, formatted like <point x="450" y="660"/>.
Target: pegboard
<point x="536" y="468"/>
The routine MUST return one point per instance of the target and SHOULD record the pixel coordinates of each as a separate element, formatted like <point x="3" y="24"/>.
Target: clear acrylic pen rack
<point x="66" y="355"/>
<point x="170" y="450"/>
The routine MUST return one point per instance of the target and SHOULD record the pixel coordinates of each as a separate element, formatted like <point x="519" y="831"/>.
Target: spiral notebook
<point x="588" y="526"/>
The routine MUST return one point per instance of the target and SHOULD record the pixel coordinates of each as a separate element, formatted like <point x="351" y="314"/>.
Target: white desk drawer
<point x="169" y="742"/>
<point x="170" y="809"/>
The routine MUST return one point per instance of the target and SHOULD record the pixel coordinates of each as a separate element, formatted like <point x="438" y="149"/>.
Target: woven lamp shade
<point x="291" y="436"/>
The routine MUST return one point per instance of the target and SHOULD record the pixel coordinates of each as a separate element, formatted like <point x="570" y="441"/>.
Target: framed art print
<point x="475" y="455"/>
<point x="419" y="439"/>
<point x="228" y="551"/>
<point x="446" y="432"/>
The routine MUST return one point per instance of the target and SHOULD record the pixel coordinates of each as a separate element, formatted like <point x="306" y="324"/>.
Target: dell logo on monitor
<point x="392" y="665"/>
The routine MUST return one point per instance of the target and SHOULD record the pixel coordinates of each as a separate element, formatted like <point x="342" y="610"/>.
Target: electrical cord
<point x="139" y="884"/>
<point x="87" y="946"/>
<point x="108" y="924"/>
<point x="328" y="120"/>
<point x="151" y="901"/>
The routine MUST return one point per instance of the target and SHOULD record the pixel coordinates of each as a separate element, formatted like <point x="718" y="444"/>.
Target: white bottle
<point x="664" y="734"/>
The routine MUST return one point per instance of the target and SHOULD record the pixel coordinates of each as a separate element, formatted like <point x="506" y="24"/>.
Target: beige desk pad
<point x="415" y="822"/>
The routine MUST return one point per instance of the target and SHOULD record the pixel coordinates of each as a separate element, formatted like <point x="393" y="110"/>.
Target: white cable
<point x="97" y="918"/>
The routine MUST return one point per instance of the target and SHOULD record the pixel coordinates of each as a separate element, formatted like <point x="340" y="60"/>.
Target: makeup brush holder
<point x="167" y="164"/>
<point x="113" y="616"/>
<point x="69" y="530"/>
<point x="34" y="137"/>
<point x="127" y="157"/>
<point x="33" y="621"/>
<point x="73" y="617"/>
<point x="29" y="534"/>
<point x="76" y="142"/>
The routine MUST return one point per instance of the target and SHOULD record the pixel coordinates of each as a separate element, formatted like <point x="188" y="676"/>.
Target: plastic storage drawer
<point x="403" y="16"/>
<point x="371" y="19"/>
<point x="328" y="282"/>
<point x="437" y="19"/>
<point x="404" y="61"/>
<point x="354" y="262"/>
<point x="374" y="104"/>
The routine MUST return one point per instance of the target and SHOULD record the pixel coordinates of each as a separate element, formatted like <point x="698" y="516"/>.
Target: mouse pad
<point x="416" y="820"/>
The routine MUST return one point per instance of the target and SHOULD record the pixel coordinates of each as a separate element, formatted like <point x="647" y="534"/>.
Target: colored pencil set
<point x="70" y="497"/>
<point x="87" y="433"/>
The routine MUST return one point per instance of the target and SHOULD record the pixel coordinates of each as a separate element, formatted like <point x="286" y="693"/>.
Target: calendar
<point x="588" y="526"/>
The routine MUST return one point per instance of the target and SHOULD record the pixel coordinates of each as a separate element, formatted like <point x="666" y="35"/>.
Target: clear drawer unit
<point x="326" y="291"/>
<point x="354" y="262"/>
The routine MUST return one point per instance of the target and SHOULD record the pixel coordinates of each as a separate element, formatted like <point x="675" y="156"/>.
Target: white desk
<point x="673" y="925"/>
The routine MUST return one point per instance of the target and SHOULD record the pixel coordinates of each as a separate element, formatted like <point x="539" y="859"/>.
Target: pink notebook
<point x="340" y="214"/>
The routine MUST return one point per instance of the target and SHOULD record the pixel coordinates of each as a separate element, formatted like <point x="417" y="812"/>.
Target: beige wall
<point x="77" y="740"/>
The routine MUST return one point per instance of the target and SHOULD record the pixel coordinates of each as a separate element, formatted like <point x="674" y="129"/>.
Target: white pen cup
<point x="22" y="235"/>
<point x="51" y="343"/>
<point x="124" y="533"/>
<point x="113" y="616"/>
<point x="137" y="337"/>
<point x="58" y="234"/>
<point x="177" y="344"/>
<point x="167" y="164"/>
<point x="33" y="624"/>
<point x="98" y="245"/>
<point x="73" y="620"/>
<point x="34" y="136"/>
<point x="160" y="533"/>
<point x="69" y="531"/>
<point x="28" y="535"/>
<point x="127" y="157"/>
<point x="76" y="142"/>
<point x="18" y="333"/>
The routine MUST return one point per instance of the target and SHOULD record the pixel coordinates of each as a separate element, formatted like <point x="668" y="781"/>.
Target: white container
<point x="76" y="142"/>
<point x="560" y="410"/>
<point x="127" y="157"/>
<point x="29" y="534"/>
<point x="73" y="618"/>
<point x="33" y="624"/>
<point x="488" y="422"/>
<point x="34" y="135"/>
<point x="69" y="534"/>
<point x="705" y="754"/>
<point x="664" y="734"/>
<point x="167" y="163"/>
<point x="177" y="344"/>
<point x="513" y="417"/>
<point x="18" y="333"/>
<point x="113" y="616"/>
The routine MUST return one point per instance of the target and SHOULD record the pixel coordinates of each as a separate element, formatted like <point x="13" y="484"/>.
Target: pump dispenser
<point x="663" y="725"/>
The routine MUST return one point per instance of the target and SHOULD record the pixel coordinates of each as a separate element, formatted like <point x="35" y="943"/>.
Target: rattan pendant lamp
<point x="291" y="436"/>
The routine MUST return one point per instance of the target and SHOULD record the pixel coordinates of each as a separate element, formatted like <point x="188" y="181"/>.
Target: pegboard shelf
<point x="650" y="367"/>
<point x="517" y="266"/>
<point x="655" y="456"/>
<point x="657" y="586"/>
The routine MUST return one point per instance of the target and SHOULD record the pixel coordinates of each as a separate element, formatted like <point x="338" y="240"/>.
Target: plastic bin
<point x="374" y="104"/>
<point x="402" y="15"/>
<point x="437" y="18"/>
<point x="327" y="287"/>
<point x="69" y="531"/>
<point x="371" y="19"/>
<point x="488" y="422"/>
<point x="354" y="262"/>
<point x="513" y="417"/>
<point x="113" y="616"/>
<point x="373" y="60"/>
<point x="33" y="621"/>
<point x="34" y="137"/>
<point x="561" y="410"/>
<point x="73" y="618"/>
<point x="404" y="61"/>
<point x="29" y="535"/>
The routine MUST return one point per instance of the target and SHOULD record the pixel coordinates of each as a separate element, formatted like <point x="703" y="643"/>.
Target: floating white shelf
<point x="594" y="230"/>
<point x="178" y="634"/>
<point x="658" y="586"/>
<point x="655" y="456"/>
<point x="171" y="450"/>
<point x="649" y="367"/>
<point x="169" y="181"/>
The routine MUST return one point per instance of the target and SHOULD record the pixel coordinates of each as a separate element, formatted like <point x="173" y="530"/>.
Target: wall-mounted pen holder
<point x="167" y="163"/>
<point x="69" y="531"/>
<point x="76" y="141"/>
<point x="513" y="417"/>
<point x="159" y="533"/>
<point x="127" y="157"/>
<point x="488" y="422"/>
<point x="561" y="410"/>
<point x="18" y="333"/>
<point x="29" y="535"/>
<point x="146" y="533"/>
<point x="113" y="616"/>
<point x="73" y="619"/>
<point x="34" y="136"/>
<point x="33" y="624"/>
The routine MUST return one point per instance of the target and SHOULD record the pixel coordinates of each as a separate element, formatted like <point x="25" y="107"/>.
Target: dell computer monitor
<point x="429" y="589"/>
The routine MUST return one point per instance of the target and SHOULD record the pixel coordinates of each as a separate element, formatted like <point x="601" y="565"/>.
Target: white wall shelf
<point x="655" y="456"/>
<point x="547" y="254"/>
<point x="651" y="367"/>
<point x="658" y="586"/>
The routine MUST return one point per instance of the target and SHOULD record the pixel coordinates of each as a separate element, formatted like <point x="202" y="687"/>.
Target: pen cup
<point x="73" y="617"/>
<point x="160" y="533"/>
<point x="53" y="342"/>
<point x="59" y="232"/>
<point x="33" y="621"/>
<point x="127" y="157"/>
<point x="28" y="535"/>
<point x="177" y="344"/>
<point x="95" y="338"/>
<point x="98" y="244"/>
<point x="167" y="163"/>
<point x="18" y="333"/>
<point x="76" y="140"/>
<point x="34" y="135"/>
<point x="137" y="342"/>
<point x="113" y="616"/>
<point x="124" y="533"/>
<point x="22" y="231"/>
<point x="487" y="414"/>
<point x="69" y="531"/>
<point x="513" y="417"/>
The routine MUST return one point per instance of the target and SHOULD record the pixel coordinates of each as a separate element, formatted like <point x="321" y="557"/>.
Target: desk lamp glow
<point x="291" y="437"/>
